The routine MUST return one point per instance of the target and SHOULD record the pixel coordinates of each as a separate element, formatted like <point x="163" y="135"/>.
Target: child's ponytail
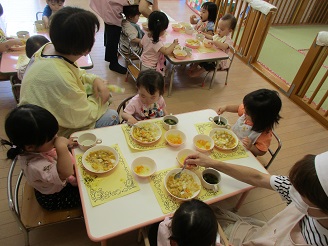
<point x="157" y="23"/>
<point x="13" y="151"/>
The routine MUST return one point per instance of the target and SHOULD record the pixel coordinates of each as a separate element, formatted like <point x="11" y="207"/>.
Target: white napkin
<point x="322" y="38"/>
<point x="261" y="6"/>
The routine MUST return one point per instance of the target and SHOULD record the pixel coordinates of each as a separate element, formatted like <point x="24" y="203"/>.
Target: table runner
<point x="169" y="204"/>
<point x="238" y="152"/>
<point x="161" y="143"/>
<point x="111" y="185"/>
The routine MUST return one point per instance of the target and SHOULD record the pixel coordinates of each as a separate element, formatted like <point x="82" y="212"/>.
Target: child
<point x="52" y="7"/>
<point x="5" y="42"/>
<point x="149" y="102"/>
<point x="193" y="224"/>
<point x="258" y="113"/>
<point x="221" y="40"/>
<point x="153" y="47"/>
<point x="32" y="45"/>
<point x="44" y="157"/>
<point x="207" y="18"/>
<point x="131" y="30"/>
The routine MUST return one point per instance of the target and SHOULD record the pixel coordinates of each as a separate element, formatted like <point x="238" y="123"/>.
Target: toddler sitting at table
<point x="52" y="7"/>
<point x="33" y="44"/>
<point x="222" y="40"/>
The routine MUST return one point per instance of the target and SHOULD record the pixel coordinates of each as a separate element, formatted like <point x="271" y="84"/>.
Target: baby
<point x="51" y="7"/>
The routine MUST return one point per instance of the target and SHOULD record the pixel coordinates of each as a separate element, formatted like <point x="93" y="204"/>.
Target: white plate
<point x="88" y="165"/>
<point x="223" y="130"/>
<point x="150" y="128"/>
<point x="196" y="179"/>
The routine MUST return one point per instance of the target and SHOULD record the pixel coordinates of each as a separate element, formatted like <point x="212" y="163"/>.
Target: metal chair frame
<point x="15" y="86"/>
<point x="37" y="14"/>
<point x="122" y="106"/>
<point x="273" y="154"/>
<point x="45" y="218"/>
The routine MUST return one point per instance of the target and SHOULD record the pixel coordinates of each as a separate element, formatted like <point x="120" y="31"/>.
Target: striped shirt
<point x="312" y="231"/>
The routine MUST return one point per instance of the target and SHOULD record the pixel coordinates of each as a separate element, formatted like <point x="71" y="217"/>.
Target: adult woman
<point x="111" y="12"/>
<point x="54" y="82"/>
<point x="305" y="220"/>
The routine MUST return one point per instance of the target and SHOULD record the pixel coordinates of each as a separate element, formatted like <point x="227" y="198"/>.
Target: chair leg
<point x="203" y="83"/>
<point x="226" y="81"/>
<point x="240" y="201"/>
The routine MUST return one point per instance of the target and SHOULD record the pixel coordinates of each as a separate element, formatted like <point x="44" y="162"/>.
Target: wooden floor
<point x="299" y="133"/>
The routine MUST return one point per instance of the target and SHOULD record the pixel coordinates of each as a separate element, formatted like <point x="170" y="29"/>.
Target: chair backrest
<point x="275" y="152"/>
<point x="122" y="106"/>
<point x="29" y="214"/>
<point x="38" y="15"/>
<point x="15" y="86"/>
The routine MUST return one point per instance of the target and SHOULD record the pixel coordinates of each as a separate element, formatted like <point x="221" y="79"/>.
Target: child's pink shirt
<point x="141" y="111"/>
<point x="150" y="54"/>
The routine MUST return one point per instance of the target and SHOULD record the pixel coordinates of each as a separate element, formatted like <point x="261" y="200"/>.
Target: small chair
<point x="29" y="214"/>
<point x="122" y="106"/>
<point x="273" y="154"/>
<point x="231" y="56"/>
<point x="15" y="86"/>
<point x="38" y="15"/>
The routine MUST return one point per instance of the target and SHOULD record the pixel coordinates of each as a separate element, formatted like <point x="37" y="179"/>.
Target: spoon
<point x="135" y="125"/>
<point x="177" y="175"/>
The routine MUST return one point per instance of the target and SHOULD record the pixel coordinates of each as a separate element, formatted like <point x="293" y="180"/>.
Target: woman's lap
<point x="109" y="118"/>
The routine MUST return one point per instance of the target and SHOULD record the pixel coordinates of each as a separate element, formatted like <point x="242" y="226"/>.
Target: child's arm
<point x="5" y="46"/>
<point x="228" y="108"/>
<point x="136" y="40"/>
<point x="129" y="118"/>
<point x="207" y="35"/>
<point x="247" y="143"/>
<point x="169" y="50"/>
<point x="193" y="19"/>
<point x="220" y="45"/>
<point x="64" y="161"/>
<point x="144" y="7"/>
<point x="165" y="112"/>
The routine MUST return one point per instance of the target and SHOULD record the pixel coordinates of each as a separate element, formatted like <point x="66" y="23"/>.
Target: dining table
<point x="118" y="201"/>
<point x="196" y="55"/>
<point x="11" y="59"/>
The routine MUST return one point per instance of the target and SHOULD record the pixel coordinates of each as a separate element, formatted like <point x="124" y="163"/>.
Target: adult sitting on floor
<point x="54" y="81"/>
<point x="303" y="222"/>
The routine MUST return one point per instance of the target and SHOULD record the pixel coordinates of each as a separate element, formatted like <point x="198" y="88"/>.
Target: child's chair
<point x="273" y="154"/>
<point x="15" y="86"/>
<point x="27" y="212"/>
<point x="122" y="106"/>
<point x="231" y="56"/>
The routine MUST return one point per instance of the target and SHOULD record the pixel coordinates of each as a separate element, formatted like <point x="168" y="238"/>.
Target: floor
<point x="298" y="131"/>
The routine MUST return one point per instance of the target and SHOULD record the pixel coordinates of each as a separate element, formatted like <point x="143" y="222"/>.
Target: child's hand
<point x="132" y="120"/>
<point x="72" y="143"/>
<point x="176" y="41"/>
<point x="221" y="110"/>
<point x="247" y="143"/>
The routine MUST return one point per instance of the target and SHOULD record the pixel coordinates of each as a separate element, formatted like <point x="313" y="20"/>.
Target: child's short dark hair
<point x="231" y="19"/>
<point x="212" y="10"/>
<point x="194" y="223"/>
<point x="29" y="125"/>
<point x="131" y="11"/>
<point x="34" y="43"/>
<point x="157" y="22"/>
<point x="56" y="1"/>
<point x="72" y="30"/>
<point x="263" y="106"/>
<point x="152" y="81"/>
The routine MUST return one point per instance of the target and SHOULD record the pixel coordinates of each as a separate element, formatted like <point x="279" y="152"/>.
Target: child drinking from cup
<point x="52" y="7"/>
<point x="222" y="40"/>
<point x="207" y="18"/>
<point x="43" y="156"/>
<point x="131" y="30"/>
<point x="149" y="102"/>
<point x="258" y="113"/>
<point x="153" y="46"/>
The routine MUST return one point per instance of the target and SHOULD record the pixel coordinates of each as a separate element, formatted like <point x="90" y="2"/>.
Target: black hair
<point x="304" y="178"/>
<point x="212" y="10"/>
<point x="263" y="106"/>
<point x="34" y="43"/>
<point x="1" y="10"/>
<point x="57" y="1"/>
<point x="231" y="19"/>
<point x="28" y="125"/>
<point x="157" y="23"/>
<point x="194" y="224"/>
<point x="152" y="81"/>
<point x="131" y="11"/>
<point x="72" y="30"/>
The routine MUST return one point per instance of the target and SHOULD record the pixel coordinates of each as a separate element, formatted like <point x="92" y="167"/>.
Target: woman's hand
<point x="198" y="160"/>
<point x="100" y="90"/>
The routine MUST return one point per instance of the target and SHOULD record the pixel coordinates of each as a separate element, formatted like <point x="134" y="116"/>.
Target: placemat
<point x="169" y="204"/>
<point x="161" y="143"/>
<point x="238" y="152"/>
<point x="108" y="186"/>
<point x="22" y="61"/>
<point x="203" y="49"/>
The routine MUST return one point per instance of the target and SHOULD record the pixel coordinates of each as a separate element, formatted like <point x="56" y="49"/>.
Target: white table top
<point x="141" y="208"/>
